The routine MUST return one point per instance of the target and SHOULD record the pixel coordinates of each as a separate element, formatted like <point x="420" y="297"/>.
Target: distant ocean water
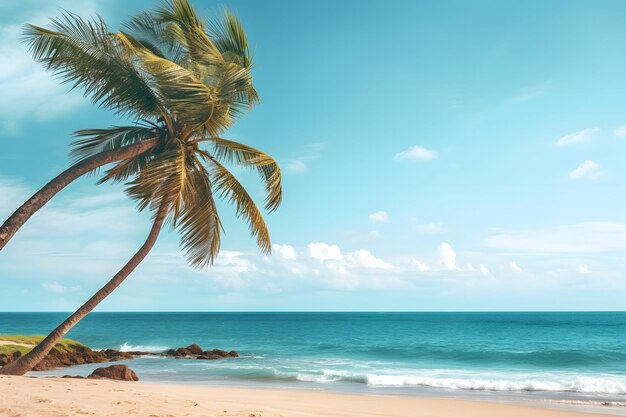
<point x="569" y="357"/>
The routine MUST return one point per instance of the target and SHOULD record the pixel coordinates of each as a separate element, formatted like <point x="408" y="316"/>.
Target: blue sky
<point x="437" y="155"/>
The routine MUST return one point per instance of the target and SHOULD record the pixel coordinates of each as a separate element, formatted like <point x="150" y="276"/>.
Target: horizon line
<point x="323" y="311"/>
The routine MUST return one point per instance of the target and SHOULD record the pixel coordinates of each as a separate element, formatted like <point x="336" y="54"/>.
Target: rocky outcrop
<point x="183" y="352"/>
<point x="195" y="352"/>
<point x="75" y="355"/>
<point x="4" y="358"/>
<point x="116" y="372"/>
<point x="194" y="349"/>
<point x="80" y="354"/>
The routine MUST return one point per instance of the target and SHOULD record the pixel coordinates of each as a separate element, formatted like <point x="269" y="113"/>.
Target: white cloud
<point x="430" y="228"/>
<point x="513" y="266"/>
<point x="419" y="265"/>
<point x="581" y="136"/>
<point x="587" y="170"/>
<point x="588" y="237"/>
<point x="417" y="153"/>
<point x="324" y="252"/>
<point x="483" y="269"/>
<point x="232" y="263"/>
<point x="284" y="251"/>
<point x="296" y="166"/>
<point x="583" y="269"/>
<point x="364" y="259"/>
<point x="86" y="235"/>
<point x="57" y="288"/>
<point x="447" y="257"/>
<point x="379" y="217"/>
<point x="620" y="131"/>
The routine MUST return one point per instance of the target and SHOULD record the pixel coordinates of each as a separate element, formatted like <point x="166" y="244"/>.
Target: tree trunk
<point x="32" y="358"/>
<point x="41" y="197"/>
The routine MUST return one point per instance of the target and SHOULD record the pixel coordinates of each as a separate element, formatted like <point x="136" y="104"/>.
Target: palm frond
<point x="127" y="168"/>
<point x="159" y="180"/>
<point x="180" y="12"/>
<point x="83" y="53"/>
<point x="194" y="103"/>
<point x="235" y="88"/>
<point x="151" y="33"/>
<point x="199" y="221"/>
<point x="234" y="152"/>
<point x="231" y="190"/>
<point x="183" y="25"/>
<point x="230" y="39"/>
<point x="94" y="141"/>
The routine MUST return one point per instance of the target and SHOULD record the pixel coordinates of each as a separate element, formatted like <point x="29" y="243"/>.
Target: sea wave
<point x="581" y="384"/>
<point x="329" y="375"/>
<point x="125" y="347"/>
<point x="591" y="385"/>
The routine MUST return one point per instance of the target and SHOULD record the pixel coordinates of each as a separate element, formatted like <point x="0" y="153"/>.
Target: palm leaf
<point x="199" y="222"/>
<point x="234" y="152"/>
<point x="231" y="190"/>
<point x="85" y="54"/>
<point x="151" y="33"/>
<point x="94" y="141"/>
<point x="159" y="180"/>
<point x="231" y="40"/>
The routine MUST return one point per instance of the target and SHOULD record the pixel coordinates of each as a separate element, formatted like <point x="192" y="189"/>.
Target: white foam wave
<point x="142" y="348"/>
<point x="591" y="385"/>
<point x="327" y="375"/>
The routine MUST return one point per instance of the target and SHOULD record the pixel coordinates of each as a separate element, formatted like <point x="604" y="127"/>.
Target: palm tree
<point x="168" y="67"/>
<point x="199" y="83"/>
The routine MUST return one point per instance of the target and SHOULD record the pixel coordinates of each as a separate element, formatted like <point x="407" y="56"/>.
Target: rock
<point x="116" y="355"/>
<point x="195" y="352"/>
<point x="209" y="357"/>
<point x="74" y="355"/>
<point x="220" y="353"/>
<point x="135" y="353"/>
<point x="194" y="349"/>
<point x="183" y="352"/>
<point x="116" y="372"/>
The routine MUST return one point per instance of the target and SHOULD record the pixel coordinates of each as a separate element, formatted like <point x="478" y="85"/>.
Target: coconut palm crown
<point x="184" y="82"/>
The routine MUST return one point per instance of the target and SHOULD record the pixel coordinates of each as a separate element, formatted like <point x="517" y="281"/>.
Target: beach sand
<point x="51" y="397"/>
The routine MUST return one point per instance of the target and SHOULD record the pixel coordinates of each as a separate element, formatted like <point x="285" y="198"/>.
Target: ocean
<point x="560" y="357"/>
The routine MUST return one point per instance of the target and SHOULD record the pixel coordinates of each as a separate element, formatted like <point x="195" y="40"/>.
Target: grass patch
<point x="64" y="345"/>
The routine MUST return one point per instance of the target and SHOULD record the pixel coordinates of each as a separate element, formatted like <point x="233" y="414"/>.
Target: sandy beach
<point x="51" y="397"/>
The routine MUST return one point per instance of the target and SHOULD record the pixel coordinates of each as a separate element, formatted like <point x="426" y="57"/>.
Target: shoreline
<point x="68" y="397"/>
<point x="559" y="400"/>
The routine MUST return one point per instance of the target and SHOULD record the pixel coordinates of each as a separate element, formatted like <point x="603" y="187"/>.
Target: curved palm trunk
<point x="41" y="197"/>
<point x="32" y="358"/>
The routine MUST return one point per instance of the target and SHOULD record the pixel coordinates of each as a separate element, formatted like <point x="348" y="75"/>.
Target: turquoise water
<point x="563" y="356"/>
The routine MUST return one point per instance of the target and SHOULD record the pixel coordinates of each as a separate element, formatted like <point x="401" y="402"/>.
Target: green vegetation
<point x="63" y="345"/>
